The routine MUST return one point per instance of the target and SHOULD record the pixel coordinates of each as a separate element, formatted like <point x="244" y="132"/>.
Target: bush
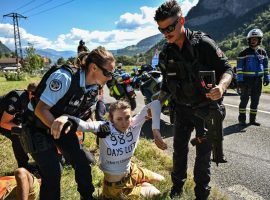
<point x="11" y="76"/>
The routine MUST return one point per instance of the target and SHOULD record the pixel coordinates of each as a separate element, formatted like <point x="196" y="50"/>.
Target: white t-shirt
<point x="117" y="148"/>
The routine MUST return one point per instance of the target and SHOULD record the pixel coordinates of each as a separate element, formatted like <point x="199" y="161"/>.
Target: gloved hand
<point x="265" y="82"/>
<point x="104" y="130"/>
<point x="71" y="125"/>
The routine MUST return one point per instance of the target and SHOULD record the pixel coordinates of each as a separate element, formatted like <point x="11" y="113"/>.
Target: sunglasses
<point x="169" y="28"/>
<point x="105" y="71"/>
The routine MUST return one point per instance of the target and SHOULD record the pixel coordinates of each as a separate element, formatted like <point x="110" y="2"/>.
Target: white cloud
<point x="130" y="29"/>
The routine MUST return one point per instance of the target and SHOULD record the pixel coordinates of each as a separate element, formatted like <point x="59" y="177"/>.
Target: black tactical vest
<point x="20" y="95"/>
<point x="182" y="74"/>
<point x="75" y="102"/>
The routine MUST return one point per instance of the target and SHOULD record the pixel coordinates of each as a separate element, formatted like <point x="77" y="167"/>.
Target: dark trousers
<point x="184" y="124"/>
<point x="51" y="168"/>
<point x="252" y="88"/>
<point x="21" y="157"/>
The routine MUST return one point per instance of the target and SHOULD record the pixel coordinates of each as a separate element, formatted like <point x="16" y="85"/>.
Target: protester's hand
<point x="104" y="130"/>
<point x="158" y="140"/>
<point x="265" y="82"/>
<point x="58" y="125"/>
<point x="215" y="93"/>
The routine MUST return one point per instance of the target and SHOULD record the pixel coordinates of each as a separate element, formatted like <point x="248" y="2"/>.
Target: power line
<point x="25" y="5"/>
<point x="51" y="8"/>
<point x="38" y="6"/>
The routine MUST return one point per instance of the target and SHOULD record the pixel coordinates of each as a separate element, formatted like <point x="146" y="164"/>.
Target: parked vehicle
<point x="121" y="88"/>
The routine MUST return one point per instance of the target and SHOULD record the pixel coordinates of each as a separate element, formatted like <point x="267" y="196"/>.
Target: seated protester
<point x="122" y="178"/>
<point x="22" y="186"/>
<point x="12" y="107"/>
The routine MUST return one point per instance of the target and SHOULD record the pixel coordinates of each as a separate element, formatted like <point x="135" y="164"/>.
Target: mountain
<point x="4" y="49"/>
<point x="221" y="17"/>
<point x="55" y="55"/>
<point x="141" y="47"/>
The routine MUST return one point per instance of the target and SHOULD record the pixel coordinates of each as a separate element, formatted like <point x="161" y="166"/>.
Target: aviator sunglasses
<point x="169" y="28"/>
<point x="105" y="71"/>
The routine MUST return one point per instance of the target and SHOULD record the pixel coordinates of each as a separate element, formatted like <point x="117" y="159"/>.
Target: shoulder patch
<point x="55" y="85"/>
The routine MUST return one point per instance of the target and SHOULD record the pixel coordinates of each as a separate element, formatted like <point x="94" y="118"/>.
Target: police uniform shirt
<point x="58" y="84"/>
<point x="117" y="148"/>
<point x="209" y="55"/>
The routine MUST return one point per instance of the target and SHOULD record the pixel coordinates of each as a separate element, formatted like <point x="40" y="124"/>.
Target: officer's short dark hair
<point x="32" y="87"/>
<point x="100" y="56"/>
<point x="168" y="9"/>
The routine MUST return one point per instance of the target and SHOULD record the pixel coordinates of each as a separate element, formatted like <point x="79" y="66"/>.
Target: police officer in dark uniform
<point x="13" y="105"/>
<point x="252" y="67"/>
<point x="81" y="47"/>
<point x="186" y="53"/>
<point x="72" y="92"/>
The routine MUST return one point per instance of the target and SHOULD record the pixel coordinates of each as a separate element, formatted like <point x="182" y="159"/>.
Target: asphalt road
<point x="246" y="176"/>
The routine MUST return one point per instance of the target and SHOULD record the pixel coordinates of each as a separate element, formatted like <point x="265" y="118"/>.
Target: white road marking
<point x="244" y="192"/>
<point x="231" y="105"/>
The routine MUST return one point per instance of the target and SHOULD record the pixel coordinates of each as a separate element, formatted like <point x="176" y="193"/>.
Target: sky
<point x="60" y="24"/>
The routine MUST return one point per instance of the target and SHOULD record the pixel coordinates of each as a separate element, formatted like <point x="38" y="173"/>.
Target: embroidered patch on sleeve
<point x="55" y="85"/>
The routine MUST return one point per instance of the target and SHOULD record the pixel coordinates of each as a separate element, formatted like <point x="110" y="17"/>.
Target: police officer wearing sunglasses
<point x="71" y="91"/>
<point x="186" y="53"/>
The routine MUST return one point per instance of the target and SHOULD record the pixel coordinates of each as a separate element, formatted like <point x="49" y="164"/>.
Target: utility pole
<point x="17" y="38"/>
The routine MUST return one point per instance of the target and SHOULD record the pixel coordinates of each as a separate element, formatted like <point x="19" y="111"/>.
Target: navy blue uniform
<point x="65" y="93"/>
<point x="252" y="66"/>
<point x="178" y="69"/>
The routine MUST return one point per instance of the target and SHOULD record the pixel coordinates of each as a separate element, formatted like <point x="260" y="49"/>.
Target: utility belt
<point x="117" y="183"/>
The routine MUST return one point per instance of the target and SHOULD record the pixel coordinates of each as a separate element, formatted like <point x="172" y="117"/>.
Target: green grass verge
<point x="147" y="155"/>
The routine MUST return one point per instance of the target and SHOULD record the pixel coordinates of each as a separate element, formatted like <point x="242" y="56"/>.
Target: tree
<point x="70" y="60"/>
<point x="32" y="61"/>
<point x="61" y="61"/>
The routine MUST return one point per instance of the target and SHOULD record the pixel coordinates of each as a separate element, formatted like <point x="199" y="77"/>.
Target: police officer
<point x="66" y="91"/>
<point x="13" y="106"/>
<point x="186" y="53"/>
<point x="252" y="66"/>
<point x="81" y="47"/>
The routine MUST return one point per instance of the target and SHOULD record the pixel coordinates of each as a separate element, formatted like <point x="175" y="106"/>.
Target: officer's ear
<point x="182" y="20"/>
<point x="93" y="67"/>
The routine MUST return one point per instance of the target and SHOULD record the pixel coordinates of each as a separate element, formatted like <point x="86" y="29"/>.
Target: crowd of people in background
<point x="43" y="119"/>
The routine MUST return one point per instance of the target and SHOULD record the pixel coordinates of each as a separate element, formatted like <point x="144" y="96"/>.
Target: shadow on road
<point x="235" y="128"/>
<point x="231" y="94"/>
<point x="166" y="129"/>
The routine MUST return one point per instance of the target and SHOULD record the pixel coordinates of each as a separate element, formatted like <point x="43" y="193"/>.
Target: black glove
<point x="104" y="130"/>
<point x="265" y="82"/>
<point x="70" y="123"/>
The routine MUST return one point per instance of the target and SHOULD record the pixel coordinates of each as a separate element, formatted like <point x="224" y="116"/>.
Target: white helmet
<point x="255" y="33"/>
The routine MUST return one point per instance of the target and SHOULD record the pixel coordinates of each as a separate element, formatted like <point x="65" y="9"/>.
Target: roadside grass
<point x="147" y="155"/>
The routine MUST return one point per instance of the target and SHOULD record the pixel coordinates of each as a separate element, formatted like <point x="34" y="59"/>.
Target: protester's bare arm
<point x="158" y="140"/>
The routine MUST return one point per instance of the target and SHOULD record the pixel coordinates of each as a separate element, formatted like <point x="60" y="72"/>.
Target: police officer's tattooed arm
<point x="214" y="57"/>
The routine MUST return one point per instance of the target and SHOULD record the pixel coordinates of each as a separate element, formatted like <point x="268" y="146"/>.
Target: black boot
<point x="242" y="119"/>
<point x="252" y="120"/>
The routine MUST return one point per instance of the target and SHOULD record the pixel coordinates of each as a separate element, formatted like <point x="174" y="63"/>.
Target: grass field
<point x="146" y="155"/>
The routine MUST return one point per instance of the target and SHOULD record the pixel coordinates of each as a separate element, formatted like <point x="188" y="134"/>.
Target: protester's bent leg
<point x="202" y="170"/>
<point x="50" y="174"/>
<point x="69" y="145"/>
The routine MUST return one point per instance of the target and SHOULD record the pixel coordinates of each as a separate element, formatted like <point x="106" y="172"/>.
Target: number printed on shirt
<point x="121" y="139"/>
